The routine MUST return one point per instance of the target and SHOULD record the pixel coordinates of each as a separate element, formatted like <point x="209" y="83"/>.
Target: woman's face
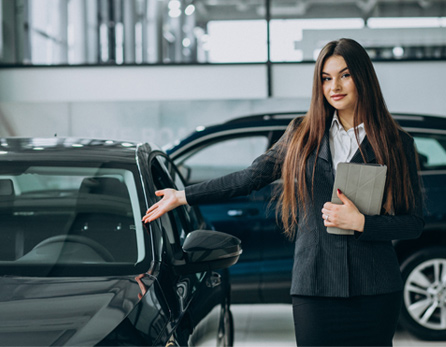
<point x="338" y="86"/>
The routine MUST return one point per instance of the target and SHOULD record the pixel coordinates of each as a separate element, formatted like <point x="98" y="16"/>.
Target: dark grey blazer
<point x="327" y="264"/>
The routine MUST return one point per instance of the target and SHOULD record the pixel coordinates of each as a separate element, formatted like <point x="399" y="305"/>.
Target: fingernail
<point x="339" y="191"/>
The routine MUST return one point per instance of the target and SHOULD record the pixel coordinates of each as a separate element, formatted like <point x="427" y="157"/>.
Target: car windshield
<point x="69" y="216"/>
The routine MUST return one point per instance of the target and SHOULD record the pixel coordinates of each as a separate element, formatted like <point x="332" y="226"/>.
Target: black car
<point x="263" y="273"/>
<point x="77" y="265"/>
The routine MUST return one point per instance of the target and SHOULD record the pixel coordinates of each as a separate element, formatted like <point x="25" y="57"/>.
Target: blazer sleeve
<point x="264" y="170"/>
<point x="393" y="227"/>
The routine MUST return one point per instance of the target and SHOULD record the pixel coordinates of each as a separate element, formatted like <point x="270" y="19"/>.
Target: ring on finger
<point x="326" y="217"/>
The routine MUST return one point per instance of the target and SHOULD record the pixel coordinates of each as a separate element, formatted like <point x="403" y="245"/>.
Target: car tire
<point x="424" y="295"/>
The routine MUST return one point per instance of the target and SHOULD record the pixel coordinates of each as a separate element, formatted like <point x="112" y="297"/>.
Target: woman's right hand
<point x="171" y="199"/>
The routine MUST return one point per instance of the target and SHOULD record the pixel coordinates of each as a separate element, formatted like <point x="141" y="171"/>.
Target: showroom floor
<point x="272" y="325"/>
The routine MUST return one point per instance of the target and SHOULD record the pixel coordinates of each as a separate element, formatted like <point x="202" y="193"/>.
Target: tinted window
<point x="223" y="157"/>
<point x="432" y="151"/>
<point x="69" y="215"/>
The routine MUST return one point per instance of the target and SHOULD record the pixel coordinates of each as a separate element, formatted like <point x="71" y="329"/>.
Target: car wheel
<point x="424" y="297"/>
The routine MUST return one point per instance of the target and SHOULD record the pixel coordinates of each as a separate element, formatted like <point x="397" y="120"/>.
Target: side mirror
<point x="207" y="250"/>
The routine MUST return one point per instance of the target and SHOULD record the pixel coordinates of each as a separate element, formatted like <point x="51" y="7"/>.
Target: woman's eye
<point x="324" y="79"/>
<point x="345" y="75"/>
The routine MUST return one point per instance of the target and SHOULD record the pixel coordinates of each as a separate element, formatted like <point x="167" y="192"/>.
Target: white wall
<point x="161" y="122"/>
<point x="416" y="87"/>
<point x="132" y="83"/>
<point x="162" y="103"/>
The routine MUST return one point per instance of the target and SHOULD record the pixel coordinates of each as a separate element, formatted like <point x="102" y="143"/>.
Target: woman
<point x="346" y="289"/>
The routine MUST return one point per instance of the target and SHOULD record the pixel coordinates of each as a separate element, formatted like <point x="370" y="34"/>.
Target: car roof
<point x="404" y="119"/>
<point x="279" y="120"/>
<point x="69" y="149"/>
<point x="255" y="122"/>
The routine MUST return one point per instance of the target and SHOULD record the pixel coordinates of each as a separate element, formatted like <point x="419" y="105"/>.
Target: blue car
<point x="262" y="274"/>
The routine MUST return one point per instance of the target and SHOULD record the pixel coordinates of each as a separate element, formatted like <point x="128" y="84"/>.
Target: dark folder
<point x="363" y="184"/>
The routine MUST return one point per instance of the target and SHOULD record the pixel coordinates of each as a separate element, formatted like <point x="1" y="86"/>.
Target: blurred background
<point x="153" y="70"/>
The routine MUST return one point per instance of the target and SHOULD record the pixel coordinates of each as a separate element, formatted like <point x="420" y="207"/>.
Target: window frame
<point x="178" y="220"/>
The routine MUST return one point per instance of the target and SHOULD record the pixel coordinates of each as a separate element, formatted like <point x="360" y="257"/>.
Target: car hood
<point x="63" y="311"/>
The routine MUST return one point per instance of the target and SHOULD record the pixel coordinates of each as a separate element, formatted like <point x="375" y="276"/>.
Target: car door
<point x="263" y="271"/>
<point x="185" y="293"/>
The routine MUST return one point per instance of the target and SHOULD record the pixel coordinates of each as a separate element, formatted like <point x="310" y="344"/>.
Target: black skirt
<point x="357" y="321"/>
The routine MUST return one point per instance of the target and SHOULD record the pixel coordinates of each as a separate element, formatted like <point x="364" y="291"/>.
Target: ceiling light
<point x="189" y="10"/>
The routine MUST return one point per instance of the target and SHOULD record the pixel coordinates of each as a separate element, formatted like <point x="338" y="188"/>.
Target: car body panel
<point x="63" y="311"/>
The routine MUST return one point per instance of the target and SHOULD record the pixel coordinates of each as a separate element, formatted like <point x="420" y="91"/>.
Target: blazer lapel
<point x="324" y="150"/>
<point x="368" y="151"/>
<point x="324" y="172"/>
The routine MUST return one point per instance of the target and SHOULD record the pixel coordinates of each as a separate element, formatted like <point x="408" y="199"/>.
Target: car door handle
<point x="243" y="212"/>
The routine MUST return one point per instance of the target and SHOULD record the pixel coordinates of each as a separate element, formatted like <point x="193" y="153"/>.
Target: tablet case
<point x="363" y="184"/>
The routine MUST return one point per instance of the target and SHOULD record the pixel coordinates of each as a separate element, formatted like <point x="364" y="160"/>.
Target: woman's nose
<point x="335" y="85"/>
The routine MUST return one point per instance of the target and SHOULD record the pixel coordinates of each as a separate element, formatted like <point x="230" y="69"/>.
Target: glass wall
<point x="389" y="30"/>
<point x="119" y="32"/>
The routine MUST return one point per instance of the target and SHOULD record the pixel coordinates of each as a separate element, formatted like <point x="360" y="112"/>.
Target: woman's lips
<point x="338" y="97"/>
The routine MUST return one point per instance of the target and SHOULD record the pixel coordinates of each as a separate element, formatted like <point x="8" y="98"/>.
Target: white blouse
<point x="343" y="143"/>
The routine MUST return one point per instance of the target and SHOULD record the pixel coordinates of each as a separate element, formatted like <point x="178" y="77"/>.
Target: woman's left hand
<point x="345" y="216"/>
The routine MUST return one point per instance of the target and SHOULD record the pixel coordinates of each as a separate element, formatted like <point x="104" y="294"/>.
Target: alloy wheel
<point x="425" y="294"/>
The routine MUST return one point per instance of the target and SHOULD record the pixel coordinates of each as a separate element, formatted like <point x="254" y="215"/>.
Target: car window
<point x="432" y="151"/>
<point x="191" y="213"/>
<point x="223" y="157"/>
<point x="69" y="215"/>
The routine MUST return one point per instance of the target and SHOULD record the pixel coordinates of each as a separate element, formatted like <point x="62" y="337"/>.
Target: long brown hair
<point x="304" y="137"/>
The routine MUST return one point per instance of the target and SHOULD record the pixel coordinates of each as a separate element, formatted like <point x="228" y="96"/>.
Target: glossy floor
<point x="272" y="325"/>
